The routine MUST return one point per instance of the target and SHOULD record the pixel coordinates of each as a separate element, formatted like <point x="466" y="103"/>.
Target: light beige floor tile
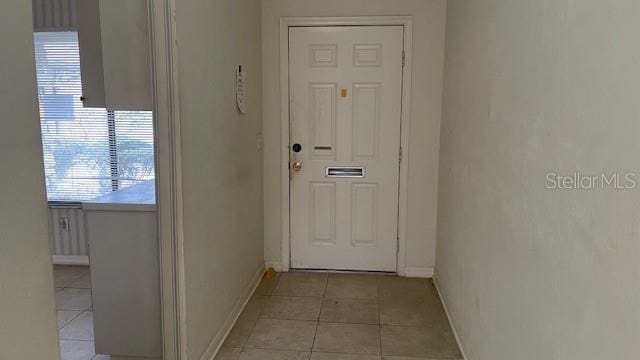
<point x="80" y="328"/>
<point x="415" y="358"/>
<point x="347" y="338"/>
<point x="261" y="354"/>
<point x="73" y="299"/>
<point x="301" y="284"/>
<point x="356" y="311"/>
<point x="352" y="286"/>
<point x="63" y="276"/>
<point x="419" y="342"/>
<point x="267" y="284"/>
<point x="411" y="312"/>
<point x="228" y="353"/>
<point x="65" y="317"/>
<point x="76" y="350"/>
<point x="293" y="308"/>
<point x="393" y="287"/>
<point x="82" y="270"/>
<point x="254" y="307"/>
<point x="62" y="279"/>
<point x="83" y="282"/>
<point x="247" y="319"/>
<point x="78" y="270"/>
<point x="102" y="357"/>
<point x="240" y="333"/>
<point x="333" y="356"/>
<point x="278" y="334"/>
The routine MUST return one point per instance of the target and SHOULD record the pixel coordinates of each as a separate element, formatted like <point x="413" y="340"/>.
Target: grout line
<point x="253" y="327"/>
<point x="69" y="322"/>
<point x="345" y="323"/>
<point x="268" y="296"/>
<point x="333" y="352"/>
<point x="76" y="340"/>
<point x="324" y="295"/>
<point x="80" y="312"/>
<point x="295" y="296"/>
<point x="318" y="322"/>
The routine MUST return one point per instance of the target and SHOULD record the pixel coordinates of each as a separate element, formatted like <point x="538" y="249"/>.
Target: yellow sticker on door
<point x="343" y="93"/>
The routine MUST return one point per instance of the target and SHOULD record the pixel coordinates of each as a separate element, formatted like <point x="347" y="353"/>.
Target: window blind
<point x="88" y="152"/>
<point x="134" y="146"/>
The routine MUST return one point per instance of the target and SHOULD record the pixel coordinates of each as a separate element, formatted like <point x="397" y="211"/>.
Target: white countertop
<point x="140" y="197"/>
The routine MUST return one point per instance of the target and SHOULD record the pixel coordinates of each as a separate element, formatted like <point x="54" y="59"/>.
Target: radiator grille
<point x="68" y="234"/>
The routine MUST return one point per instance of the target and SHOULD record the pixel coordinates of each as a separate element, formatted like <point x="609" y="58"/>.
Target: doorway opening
<point x="97" y="127"/>
<point x="345" y="139"/>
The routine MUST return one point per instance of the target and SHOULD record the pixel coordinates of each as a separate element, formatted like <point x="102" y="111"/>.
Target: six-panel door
<point x="345" y="110"/>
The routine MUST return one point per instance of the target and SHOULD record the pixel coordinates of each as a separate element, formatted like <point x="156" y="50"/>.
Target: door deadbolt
<point x="296" y="147"/>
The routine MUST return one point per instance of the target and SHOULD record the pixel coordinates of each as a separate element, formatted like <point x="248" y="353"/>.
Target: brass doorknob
<point x="297" y="166"/>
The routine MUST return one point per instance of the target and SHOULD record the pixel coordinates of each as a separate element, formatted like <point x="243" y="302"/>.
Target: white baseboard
<point x="418" y="272"/>
<point x="276" y="265"/>
<point x="218" y="340"/>
<point x="446" y="310"/>
<point x="70" y="260"/>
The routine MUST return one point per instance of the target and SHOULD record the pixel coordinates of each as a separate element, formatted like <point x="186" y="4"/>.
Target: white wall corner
<point x="418" y="272"/>
<point x="446" y="310"/>
<point x="218" y="340"/>
<point x="276" y="265"/>
<point x="70" y="260"/>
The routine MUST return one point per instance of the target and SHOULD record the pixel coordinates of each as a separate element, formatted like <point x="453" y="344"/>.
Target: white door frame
<point x="285" y="23"/>
<point x="168" y="176"/>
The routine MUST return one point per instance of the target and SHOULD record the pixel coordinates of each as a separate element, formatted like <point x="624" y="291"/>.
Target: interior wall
<point x="221" y="165"/>
<point x="428" y="47"/>
<point x="28" y="327"/>
<point x="533" y="87"/>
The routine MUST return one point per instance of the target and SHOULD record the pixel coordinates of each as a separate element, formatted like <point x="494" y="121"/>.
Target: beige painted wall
<point x="428" y="44"/>
<point x="222" y="169"/>
<point x="28" y="328"/>
<point x="530" y="273"/>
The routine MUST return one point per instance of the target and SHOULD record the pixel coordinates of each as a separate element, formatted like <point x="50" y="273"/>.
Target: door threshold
<point x="332" y="271"/>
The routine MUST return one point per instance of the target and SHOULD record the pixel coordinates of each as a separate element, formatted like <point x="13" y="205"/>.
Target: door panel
<point x="323" y="116"/>
<point x="322" y="212"/>
<point x="366" y="118"/>
<point x="364" y="209"/>
<point x="345" y="111"/>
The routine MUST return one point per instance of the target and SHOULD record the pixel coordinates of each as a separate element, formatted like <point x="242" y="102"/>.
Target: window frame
<point x="113" y="178"/>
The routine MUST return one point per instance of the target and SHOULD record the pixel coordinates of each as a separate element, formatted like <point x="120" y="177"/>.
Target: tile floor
<point x="75" y="316"/>
<point x="319" y="316"/>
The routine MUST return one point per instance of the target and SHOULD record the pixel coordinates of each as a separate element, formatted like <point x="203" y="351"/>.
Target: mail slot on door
<point x="345" y="172"/>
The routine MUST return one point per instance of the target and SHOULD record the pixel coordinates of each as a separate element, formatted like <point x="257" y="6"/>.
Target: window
<point x="88" y="152"/>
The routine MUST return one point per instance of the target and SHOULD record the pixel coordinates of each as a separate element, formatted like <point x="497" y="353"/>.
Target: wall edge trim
<point x="216" y="343"/>
<point x="446" y="311"/>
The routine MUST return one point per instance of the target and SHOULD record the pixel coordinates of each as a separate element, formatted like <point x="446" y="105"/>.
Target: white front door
<point x="345" y="86"/>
